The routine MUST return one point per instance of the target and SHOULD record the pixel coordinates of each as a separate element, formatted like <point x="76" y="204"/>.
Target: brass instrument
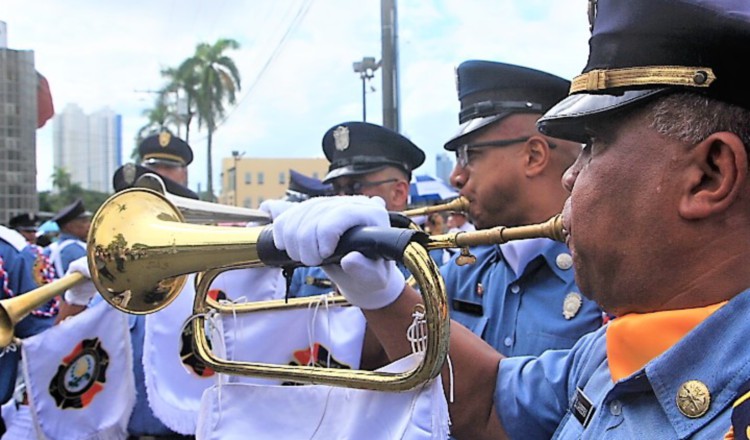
<point x="12" y="310"/>
<point x="457" y="204"/>
<point x="139" y="252"/>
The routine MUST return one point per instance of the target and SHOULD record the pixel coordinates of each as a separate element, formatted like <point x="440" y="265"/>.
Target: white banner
<point x="79" y="376"/>
<point x="253" y="411"/>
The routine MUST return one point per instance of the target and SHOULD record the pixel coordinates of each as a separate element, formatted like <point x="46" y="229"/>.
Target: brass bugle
<point x="458" y="204"/>
<point x="13" y="310"/>
<point x="552" y="229"/>
<point x="139" y="251"/>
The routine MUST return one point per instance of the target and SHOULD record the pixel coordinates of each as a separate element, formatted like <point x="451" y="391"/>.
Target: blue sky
<point x="295" y="60"/>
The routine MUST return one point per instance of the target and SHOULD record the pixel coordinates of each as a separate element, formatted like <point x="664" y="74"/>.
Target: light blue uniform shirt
<point x="520" y="315"/>
<point x="309" y="281"/>
<point x="69" y="253"/>
<point x="533" y="396"/>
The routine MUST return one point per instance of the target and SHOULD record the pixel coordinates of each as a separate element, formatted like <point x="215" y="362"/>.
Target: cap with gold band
<point x="640" y="49"/>
<point x="165" y="149"/>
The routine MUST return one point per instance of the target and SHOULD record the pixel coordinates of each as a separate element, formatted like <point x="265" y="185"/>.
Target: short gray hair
<point x="692" y="117"/>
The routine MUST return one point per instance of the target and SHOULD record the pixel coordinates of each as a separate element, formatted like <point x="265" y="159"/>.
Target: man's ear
<point x="537" y="155"/>
<point x="716" y="176"/>
<point x="401" y="191"/>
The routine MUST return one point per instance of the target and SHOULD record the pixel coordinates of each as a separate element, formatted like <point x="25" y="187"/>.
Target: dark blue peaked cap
<point x="356" y="148"/>
<point x="164" y="148"/>
<point x="127" y="175"/>
<point x="309" y="186"/>
<point x="640" y="49"/>
<point x="490" y="91"/>
<point x="71" y="212"/>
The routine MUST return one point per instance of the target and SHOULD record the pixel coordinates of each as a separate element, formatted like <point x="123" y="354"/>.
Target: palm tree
<point x="159" y="117"/>
<point x="183" y="79"/>
<point x="218" y="82"/>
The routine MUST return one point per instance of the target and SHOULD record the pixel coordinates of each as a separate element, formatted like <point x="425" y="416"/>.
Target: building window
<point x="282" y="178"/>
<point x="260" y="200"/>
<point x="248" y="202"/>
<point x="260" y="178"/>
<point x="248" y="178"/>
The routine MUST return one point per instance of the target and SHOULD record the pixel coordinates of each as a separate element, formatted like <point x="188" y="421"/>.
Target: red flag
<point x="45" y="107"/>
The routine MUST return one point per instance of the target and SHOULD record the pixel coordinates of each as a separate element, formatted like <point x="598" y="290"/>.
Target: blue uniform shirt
<point x="17" y="277"/>
<point x="309" y="281"/>
<point x="534" y="396"/>
<point x="68" y="254"/>
<point x="520" y="315"/>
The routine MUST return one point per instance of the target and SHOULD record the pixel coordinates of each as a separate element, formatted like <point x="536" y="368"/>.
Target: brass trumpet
<point x="458" y="204"/>
<point x="139" y="253"/>
<point x="12" y="310"/>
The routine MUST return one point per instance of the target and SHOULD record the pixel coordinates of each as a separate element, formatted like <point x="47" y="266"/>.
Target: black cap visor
<point x="566" y="120"/>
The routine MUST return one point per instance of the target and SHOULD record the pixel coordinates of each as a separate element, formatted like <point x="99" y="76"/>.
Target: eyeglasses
<point x="356" y="187"/>
<point x="462" y="152"/>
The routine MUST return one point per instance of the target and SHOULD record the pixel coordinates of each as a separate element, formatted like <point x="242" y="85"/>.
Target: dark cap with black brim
<point x="490" y="91"/>
<point x="165" y="149"/>
<point x="71" y="212"/>
<point x="357" y="148"/>
<point x="642" y="49"/>
<point x="127" y="175"/>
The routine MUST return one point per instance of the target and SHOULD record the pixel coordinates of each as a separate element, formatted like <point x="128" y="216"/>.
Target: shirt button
<point x="564" y="261"/>
<point x="615" y="407"/>
<point x="515" y="288"/>
<point x="508" y="342"/>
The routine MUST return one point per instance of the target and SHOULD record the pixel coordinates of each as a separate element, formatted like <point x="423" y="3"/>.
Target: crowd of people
<point x="632" y="327"/>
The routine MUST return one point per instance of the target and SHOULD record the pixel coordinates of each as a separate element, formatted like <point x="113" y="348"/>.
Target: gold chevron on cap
<point x="604" y="79"/>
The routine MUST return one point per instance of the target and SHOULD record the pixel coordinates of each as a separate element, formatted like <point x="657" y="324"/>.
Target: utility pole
<point x="389" y="63"/>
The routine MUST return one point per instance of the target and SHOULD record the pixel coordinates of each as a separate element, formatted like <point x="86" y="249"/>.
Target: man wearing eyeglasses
<point x="371" y="160"/>
<point x="365" y="159"/>
<point x="521" y="296"/>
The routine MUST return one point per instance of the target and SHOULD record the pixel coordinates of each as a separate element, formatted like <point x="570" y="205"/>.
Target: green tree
<point x="66" y="192"/>
<point x="183" y="80"/>
<point x="218" y="83"/>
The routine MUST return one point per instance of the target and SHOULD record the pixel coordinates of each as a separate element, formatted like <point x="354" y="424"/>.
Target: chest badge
<point x="572" y="304"/>
<point x="693" y="399"/>
<point x="480" y="289"/>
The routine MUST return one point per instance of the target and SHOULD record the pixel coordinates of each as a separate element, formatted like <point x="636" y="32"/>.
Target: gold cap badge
<point x="164" y="138"/>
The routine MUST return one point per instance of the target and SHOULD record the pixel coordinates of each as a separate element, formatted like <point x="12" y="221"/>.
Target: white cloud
<point x="100" y="54"/>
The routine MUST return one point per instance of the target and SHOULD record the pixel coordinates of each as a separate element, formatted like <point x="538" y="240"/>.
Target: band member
<point x="520" y="297"/>
<point x="658" y="222"/>
<point x="26" y="224"/>
<point x="168" y="155"/>
<point x="364" y="159"/>
<point x="74" y="222"/>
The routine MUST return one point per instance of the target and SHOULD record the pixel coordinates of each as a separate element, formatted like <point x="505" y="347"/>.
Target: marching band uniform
<point x="539" y="308"/>
<point x="617" y="382"/>
<point x="21" y="270"/>
<point x="68" y="247"/>
<point x="520" y="296"/>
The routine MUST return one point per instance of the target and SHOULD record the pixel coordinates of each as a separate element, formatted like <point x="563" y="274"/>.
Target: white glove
<point x="310" y="232"/>
<point x="81" y="293"/>
<point x="275" y="207"/>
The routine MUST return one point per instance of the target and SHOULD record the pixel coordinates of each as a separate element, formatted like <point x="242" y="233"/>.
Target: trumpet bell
<point x="118" y="247"/>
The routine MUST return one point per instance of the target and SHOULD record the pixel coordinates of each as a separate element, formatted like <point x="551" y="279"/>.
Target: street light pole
<point x="366" y="69"/>
<point x="236" y="155"/>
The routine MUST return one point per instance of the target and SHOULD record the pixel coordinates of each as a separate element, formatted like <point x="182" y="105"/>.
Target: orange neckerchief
<point x="634" y="339"/>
